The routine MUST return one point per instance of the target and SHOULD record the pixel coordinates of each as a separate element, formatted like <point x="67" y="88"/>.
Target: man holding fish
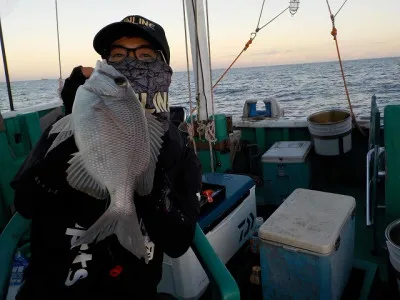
<point x="111" y="186"/>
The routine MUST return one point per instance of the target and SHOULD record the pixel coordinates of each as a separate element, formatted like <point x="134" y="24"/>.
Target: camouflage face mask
<point x="149" y="80"/>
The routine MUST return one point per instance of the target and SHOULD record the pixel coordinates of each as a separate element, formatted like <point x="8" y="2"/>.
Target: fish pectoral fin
<point x="64" y="124"/>
<point x="80" y="179"/>
<point x="144" y="182"/>
<point x="64" y="129"/>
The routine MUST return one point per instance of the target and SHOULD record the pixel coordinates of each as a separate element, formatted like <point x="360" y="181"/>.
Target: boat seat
<point x="222" y="282"/>
<point x="376" y="157"/>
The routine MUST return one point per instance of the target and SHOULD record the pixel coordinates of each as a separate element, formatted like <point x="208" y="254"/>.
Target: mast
<point x="3" y="51"/>
<point x="200" y="57"/>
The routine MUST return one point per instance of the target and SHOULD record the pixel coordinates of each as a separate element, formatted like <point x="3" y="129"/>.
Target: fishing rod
<point x="3" y="51"/>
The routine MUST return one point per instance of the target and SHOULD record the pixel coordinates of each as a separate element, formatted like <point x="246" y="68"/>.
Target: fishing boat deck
<point x="364" y="253"/>
<point x="344" y="175"/>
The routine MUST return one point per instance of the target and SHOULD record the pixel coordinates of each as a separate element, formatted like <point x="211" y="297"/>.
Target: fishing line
<point x="190" y="128"/>
<point x="293" y="7"/>
<point x="334" y="34"/>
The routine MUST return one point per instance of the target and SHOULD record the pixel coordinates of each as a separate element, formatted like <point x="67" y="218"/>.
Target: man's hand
<point x="87" y="71"/>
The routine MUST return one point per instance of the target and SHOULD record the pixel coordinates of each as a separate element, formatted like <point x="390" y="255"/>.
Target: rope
<point x="191" y="125"/>
<point x="340" y="7"/>
<point x="201" y="129"/>
<point x="334" y="34"/>
<point x="60" y="80"/>
<point x="210" y="137"/>
<point x="248" y="43"/>
<point x="259" y="18"/>
<point x="234" y="61"/>
<point x="210" y="132"/>
<point x="209" y="57"/>
<point x="210" y="128"/>
<point x="258" y="29"/>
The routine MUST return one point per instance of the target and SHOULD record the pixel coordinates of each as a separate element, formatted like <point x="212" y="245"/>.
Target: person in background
<point x="138" y="48"/>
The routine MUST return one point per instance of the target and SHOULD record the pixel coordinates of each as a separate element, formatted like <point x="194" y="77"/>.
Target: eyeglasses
<point x="143" y="53"/>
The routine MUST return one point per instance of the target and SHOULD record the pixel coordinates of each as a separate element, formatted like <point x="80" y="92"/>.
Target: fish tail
<point x="124" y="225"/>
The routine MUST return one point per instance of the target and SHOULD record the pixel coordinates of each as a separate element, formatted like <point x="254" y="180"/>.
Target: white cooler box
<point x="184" y="277"/>
<point x="306" y="246"/>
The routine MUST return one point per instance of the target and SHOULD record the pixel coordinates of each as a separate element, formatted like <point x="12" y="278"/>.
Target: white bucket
<point x="392" y="234"/>
<point x="330" y="131"/>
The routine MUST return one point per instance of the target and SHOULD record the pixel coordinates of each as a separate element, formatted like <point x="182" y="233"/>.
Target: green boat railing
<point x="392" y="150"/>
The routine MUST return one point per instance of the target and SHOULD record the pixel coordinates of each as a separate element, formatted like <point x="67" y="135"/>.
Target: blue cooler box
<point x="306" y="246"/>
<point x="285" y="168"/>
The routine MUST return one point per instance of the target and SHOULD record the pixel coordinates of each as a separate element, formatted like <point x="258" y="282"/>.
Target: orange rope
<point x="237" y="57"/>
<point x="334" y="34"/>
<point x="253" y="36"/>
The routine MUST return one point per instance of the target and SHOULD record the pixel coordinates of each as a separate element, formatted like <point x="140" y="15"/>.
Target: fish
<point x="119" y="143"/>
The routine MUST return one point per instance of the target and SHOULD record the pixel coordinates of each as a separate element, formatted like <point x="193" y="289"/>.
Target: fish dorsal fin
<point x="64" y="129"/>
<point x="144" y="182"/>
<point x="79" y="178"/>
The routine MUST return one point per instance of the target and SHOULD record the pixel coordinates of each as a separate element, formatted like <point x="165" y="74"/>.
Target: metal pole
<point x="3" y="51"/>
<point x="58" y="41"/>
<point x="200" y="56"/>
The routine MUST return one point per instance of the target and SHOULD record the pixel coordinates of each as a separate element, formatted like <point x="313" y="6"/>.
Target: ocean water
<point x="300" y="89"/>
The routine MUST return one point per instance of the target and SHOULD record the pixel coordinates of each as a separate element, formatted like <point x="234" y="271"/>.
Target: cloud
<point x="379" y="42"/>
<point x="271" y="52"/>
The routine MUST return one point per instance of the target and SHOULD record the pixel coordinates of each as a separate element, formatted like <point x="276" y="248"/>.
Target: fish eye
<point x="121" y="81"/>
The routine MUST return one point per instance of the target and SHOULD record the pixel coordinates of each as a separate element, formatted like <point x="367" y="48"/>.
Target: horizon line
<point x="244" y="67"/>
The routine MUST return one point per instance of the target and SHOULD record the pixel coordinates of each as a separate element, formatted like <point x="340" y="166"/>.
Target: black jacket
<point x="103" y="270"/>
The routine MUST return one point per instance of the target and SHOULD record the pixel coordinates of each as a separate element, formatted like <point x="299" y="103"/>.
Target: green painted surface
<point x="221" y="128"/>
<point x="22" y="133"/>
<point x="281" y="179"/>
<point x="370" y="273"/>
<point x="392" y="149"/>
<point x="222" y="162"/>
<point x="248" y="134"/>
<point x="9" y="165"/>
<point x="32" y="128"/>
<point x="261" y="139"/>
<point x="222" y="282"/>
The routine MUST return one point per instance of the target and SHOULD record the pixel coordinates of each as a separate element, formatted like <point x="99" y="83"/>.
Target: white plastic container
<point x="392" y="234"/>
<point x="18" y="267"/>
<point x="184" y="277"/>
<point x="331" y="132"/>
<point x="307" y="246"/>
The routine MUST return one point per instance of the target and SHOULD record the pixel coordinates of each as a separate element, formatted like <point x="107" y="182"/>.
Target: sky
<point x="366" y="29"/>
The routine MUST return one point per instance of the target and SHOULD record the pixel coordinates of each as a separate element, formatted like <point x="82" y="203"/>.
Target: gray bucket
<point x="392" y="234"/>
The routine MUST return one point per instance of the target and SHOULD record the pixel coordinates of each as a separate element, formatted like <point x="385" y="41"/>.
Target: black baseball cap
<point x="131" y="26"/>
